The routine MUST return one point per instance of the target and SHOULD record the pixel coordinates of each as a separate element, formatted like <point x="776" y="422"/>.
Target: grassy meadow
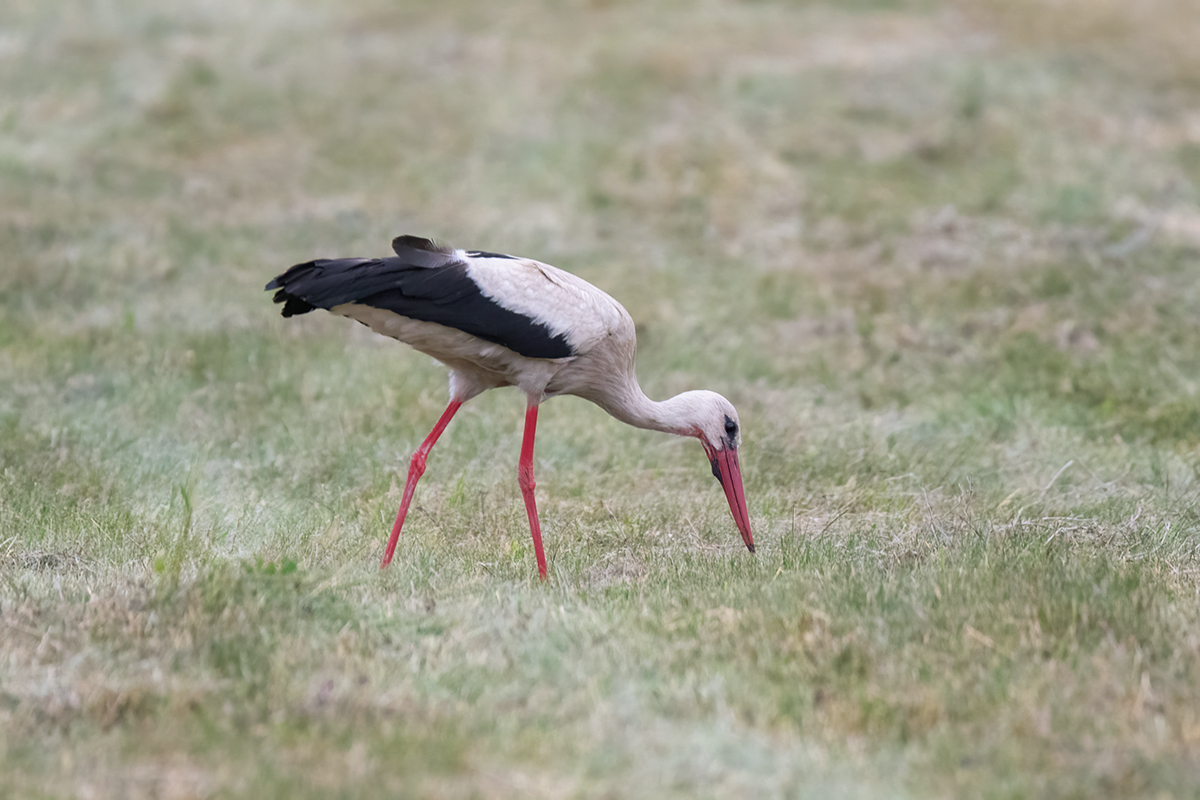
<point x="942" y="255"/>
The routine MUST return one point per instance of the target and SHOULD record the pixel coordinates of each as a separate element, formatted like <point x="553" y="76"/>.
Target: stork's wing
<point x="422" y="282"/>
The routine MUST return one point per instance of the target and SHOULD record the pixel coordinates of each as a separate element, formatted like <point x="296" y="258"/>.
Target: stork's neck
<point x="630" y="404"/>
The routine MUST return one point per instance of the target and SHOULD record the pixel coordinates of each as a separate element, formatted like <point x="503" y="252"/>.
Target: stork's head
<point x="717" y="428"/>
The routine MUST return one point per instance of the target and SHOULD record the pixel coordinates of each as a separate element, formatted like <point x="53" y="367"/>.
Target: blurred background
<point x="892" y="200"/>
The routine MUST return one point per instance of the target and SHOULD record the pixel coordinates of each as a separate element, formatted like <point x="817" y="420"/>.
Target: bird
<point x="499" y="320"/>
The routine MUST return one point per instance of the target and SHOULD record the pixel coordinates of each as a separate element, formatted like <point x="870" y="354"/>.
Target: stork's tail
<point x="292" y="305"/>
<point x="313" y="284"/>
<point x="328" y="282"/>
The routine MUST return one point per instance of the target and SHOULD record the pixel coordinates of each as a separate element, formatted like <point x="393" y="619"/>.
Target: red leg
<point x="525" y="478"/>
<point x="416" y="469"/>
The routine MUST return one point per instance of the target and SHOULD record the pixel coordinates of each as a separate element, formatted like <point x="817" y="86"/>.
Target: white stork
<point x="497" y="320"/>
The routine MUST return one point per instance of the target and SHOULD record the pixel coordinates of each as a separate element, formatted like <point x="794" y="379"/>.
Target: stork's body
<point x="496" y="320"/>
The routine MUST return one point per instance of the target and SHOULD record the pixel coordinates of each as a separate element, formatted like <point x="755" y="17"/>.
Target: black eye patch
<point x="730" y="427"/>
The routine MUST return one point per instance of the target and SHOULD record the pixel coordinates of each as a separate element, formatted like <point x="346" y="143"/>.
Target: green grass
<point x="943" y="257"/>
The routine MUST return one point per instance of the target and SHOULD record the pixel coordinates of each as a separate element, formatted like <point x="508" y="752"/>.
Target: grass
<point x="941" y="255"/>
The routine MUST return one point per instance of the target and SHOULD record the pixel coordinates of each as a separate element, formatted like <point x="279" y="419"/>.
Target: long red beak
<point x="726" y="469"/>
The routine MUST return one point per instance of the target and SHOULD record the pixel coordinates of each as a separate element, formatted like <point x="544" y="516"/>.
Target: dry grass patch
<point x="1146" y="39"/>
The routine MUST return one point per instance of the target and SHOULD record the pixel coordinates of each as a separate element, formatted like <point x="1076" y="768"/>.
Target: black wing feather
<point x="422" y="282"/>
